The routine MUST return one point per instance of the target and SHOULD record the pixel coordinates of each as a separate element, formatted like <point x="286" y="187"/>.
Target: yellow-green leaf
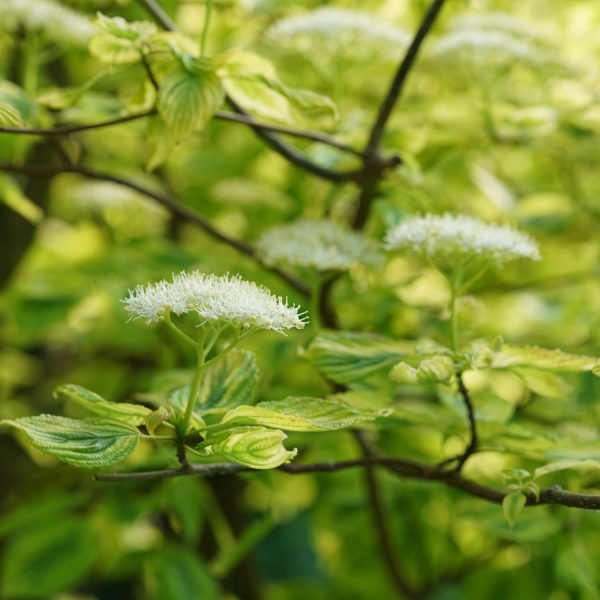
<point x="346" y="356"/>
<point x="186" y="101"/>
<point x="10" y="116"/>
<point x="512" y="506"/>
<point x="255" y="447"/>
<point x="12" y="195"/>
<point x="135" y="414"/>
<point x="88" y="443"/>
<point x="301" y="414"/>
<point x="540" y="358"/>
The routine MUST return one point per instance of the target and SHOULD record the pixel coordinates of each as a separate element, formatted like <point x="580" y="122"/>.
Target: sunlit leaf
<point x="186" y="101"/>
<point x="10" y="116"/>
<point x="563" y="465"/>
<point x="12" y="196"/>
<point x="88" y="443"/>
<point x="540" y="358"/>
<point x="135" y="414"/>
<point x="512" y="506"/>
<point x="345" y="356"/>
<point x="255" y="447"/>
<point x="301" y="414"/>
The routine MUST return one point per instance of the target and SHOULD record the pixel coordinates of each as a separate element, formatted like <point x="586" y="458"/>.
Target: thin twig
<point x="292" y="154"/>
<point x="473" y="440"/>
<point x="413" y="470"/>
<point x="380" y="521"/>
<point x="66" y="129"/>
<point x="158" y="14"/>
<point x="176" y="207"/>
<point x="401" y="76"/>
<point x="220" y="115"/>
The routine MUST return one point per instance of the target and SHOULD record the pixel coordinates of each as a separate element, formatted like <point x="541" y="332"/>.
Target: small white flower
<point x="339" y="26"/>
<point x="247" y="305"/>
<point x="455" y="238"/>
<point x="229" y="299"/>
<point x="58" y="23"/>
<point x="317" y="244"/>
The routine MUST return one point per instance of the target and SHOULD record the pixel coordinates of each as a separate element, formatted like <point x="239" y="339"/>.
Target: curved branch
<point x="401" y="76"/>
<point x="220" y="115"/>
<point x="66" y="129"/>
<point x="413" y="470"/>
<point x="473" y="441"/>
<point x="176" y="207"/>
<point x="291" y="153"/>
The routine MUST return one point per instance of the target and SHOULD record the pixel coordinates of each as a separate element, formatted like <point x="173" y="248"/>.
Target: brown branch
<point x="220" y="115"/>
<point x="401" y="76"/>
<point x="473" y="440"/>
<point x="66" y="129"/>
<point x="176" y="207"/>
<point x="380" y="522"/>
<point x="158" y="14"/>
<point x="413" y="470"/>
<point x="292" y="154"/>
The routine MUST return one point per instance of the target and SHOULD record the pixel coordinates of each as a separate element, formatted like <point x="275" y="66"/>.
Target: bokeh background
<point x="500" y="119"/>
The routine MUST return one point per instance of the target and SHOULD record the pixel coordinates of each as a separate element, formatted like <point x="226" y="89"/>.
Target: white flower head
<point x="340" y="27"/>
<point x="494" y="36"/>
<point x="228" y="299"/>
<point x="317" y="244"/>
<point x="452" y="240"/>
<point x="247" y="305"/>
<point x="55" y="21"/>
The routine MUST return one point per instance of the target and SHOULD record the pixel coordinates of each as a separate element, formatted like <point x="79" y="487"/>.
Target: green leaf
<point x="176" y="572"/>
<point x="135" y="414"/>
<point x="113" y="50"/>
<point x="512" y="507"/>
<point x="228" y="383"/>
<point x="121" y="42"/>
<point x="255" y="447"/>
<point x="156" y="418"/>
<point x="53" y="557"/>
<point x="562" y="465"/>
<point x="596" y="368"/>
<point x="540" y="358"/>
<point x="12" y="195"/>
<point x="252" y="81"/>
<point x="88" y="444"/>
<point x="10" y="116"/>
<point x="186" y="101"/>
<point x="301" y="414"/>
<point x="346" y="356"/>
<point x="543" y="383"/>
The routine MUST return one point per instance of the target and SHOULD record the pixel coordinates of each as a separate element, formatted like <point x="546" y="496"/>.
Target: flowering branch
<point x="176" y="207"/>
<point x="554" y="495"/>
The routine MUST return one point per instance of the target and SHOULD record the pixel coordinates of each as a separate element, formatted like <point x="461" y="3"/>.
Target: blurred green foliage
<point x="500" y="119"/>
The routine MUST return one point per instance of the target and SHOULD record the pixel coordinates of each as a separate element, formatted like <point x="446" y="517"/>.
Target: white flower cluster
<point x="496" y="36"/>
<point x="58" y="23"/>
<point x="225" y="298"/>
<point x="340" y="26"/>
<point x="456" y="237"/>
<point x="317" y="244"/>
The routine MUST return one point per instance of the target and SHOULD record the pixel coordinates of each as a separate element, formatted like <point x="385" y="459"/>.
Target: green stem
<point x="453" y="318"/>
<point x="195" y="387"/>
<point x="206" y="26"/>
<point x="178" y="331"/>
